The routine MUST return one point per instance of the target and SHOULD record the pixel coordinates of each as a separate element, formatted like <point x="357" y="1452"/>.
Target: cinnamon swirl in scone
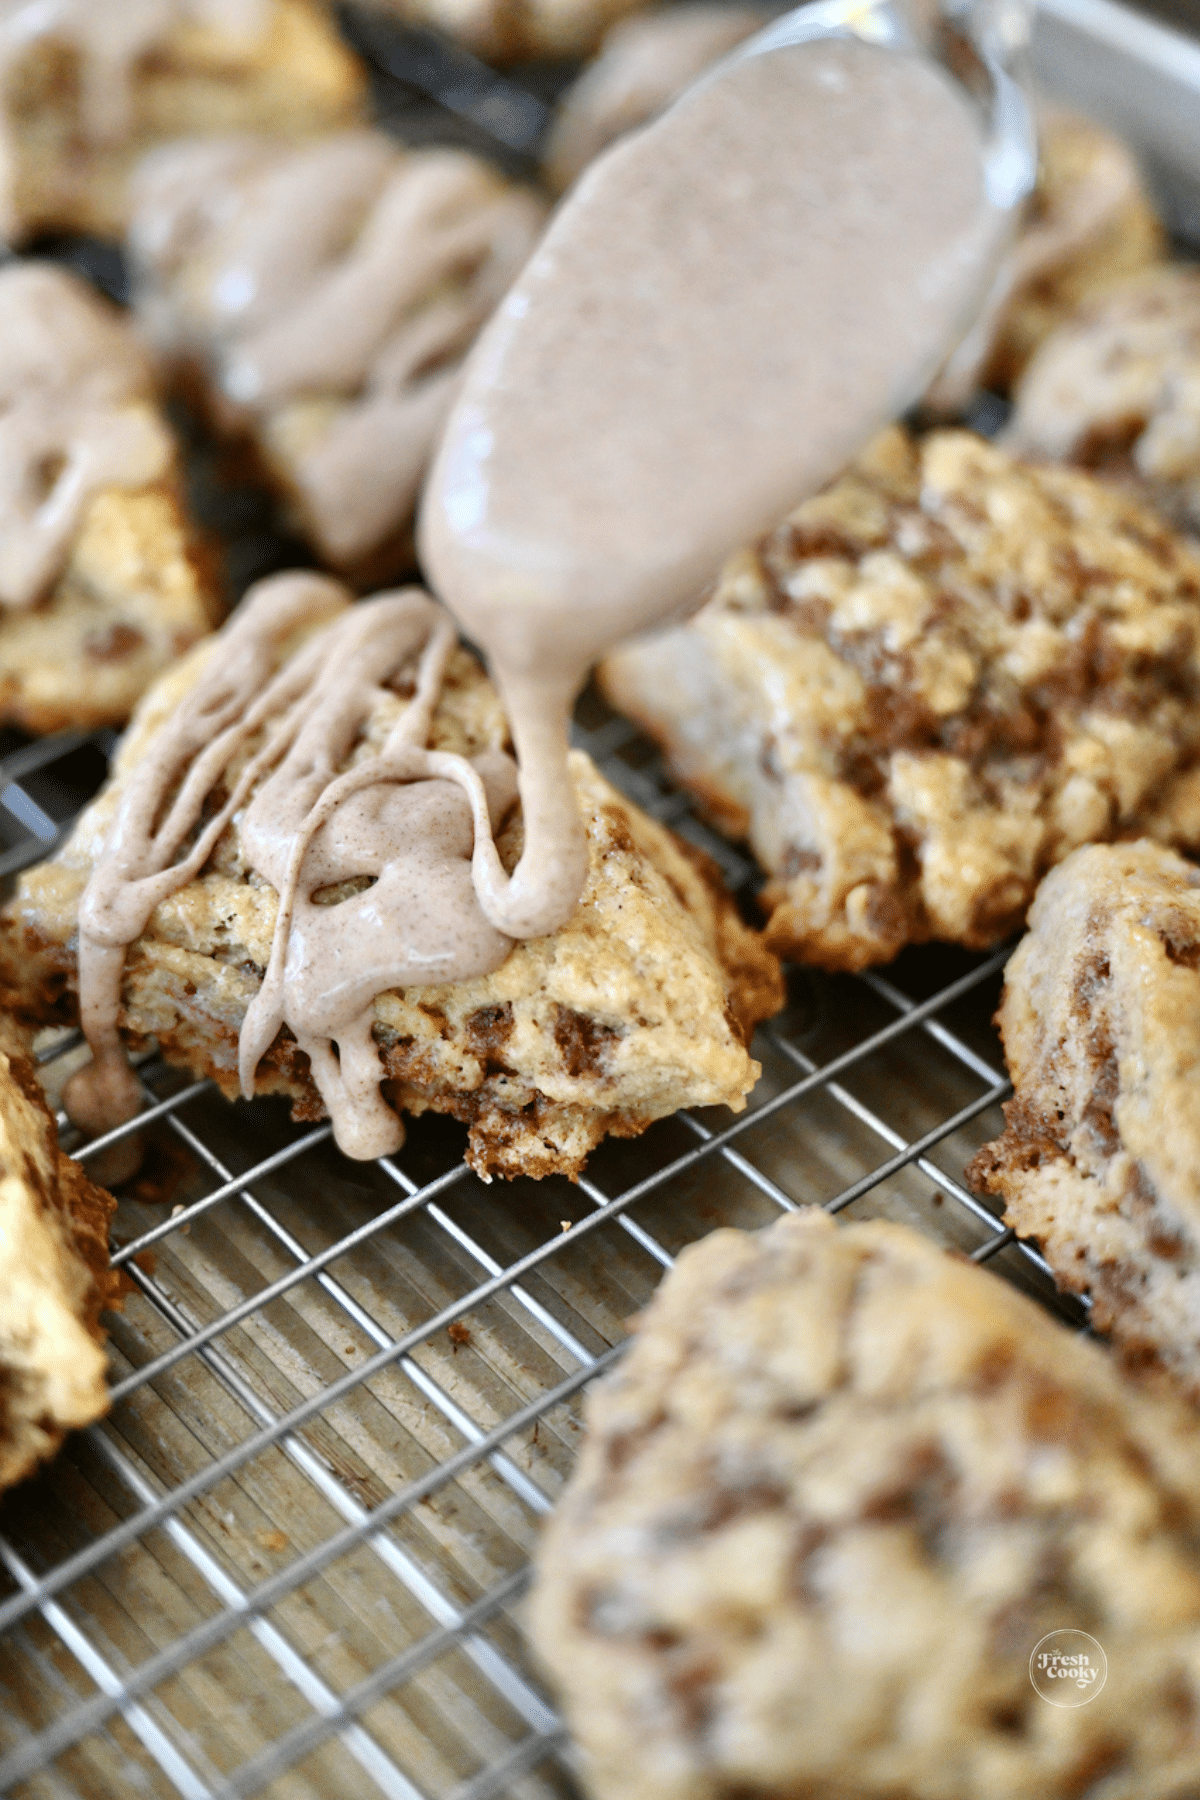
<point x="1116" y="388"/>
<point x="90" y="85"/>
<point x="926" y="687"/>
<point x="837" y="1492"/>
<point x="282" y="885"/>
<point x="54" y="1274"/>
<point x="99" y="589"/>
<point x="1101" y="1159"/>
<point x="320" y="301"/>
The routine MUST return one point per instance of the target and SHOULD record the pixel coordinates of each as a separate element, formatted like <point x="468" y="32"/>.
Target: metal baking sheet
<point x="291" y="1561"/>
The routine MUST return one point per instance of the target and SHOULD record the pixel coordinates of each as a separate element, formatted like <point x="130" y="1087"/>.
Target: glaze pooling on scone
<point x="401" y="828"/>
<point x="74" y="419"/>
<point x="331" y="292"/>
<point x="682" y="360"/>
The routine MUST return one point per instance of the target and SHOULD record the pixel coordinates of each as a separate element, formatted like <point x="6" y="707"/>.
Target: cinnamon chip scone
<point x="99" y="585"/>
<point x="90" y="85"/>
<point x="1116" y="388"/>
<point x="1101" y="1159"/>
<point x="645" y="63"/>
<point x="836" y="1493"/>
<point x="1089" y="226"/>
<point x="54" y="1275"/>
<point x="320" y="301"/>
<point x="642" y="1003"/>
<point x="926" y="687"/>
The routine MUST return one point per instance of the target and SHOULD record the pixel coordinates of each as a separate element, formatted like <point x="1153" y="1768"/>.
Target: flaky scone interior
<point x="1101" y="1159"/>
<point x="928" y="686"/>
<point x="641" y="1004"/>
<point x="54" y="1274"/>
<point x="837" y="1493"/>
<point x="88" y="91"/>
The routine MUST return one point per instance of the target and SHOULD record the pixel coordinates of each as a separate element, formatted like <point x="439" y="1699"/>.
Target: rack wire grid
<point x="291" y="1560"/>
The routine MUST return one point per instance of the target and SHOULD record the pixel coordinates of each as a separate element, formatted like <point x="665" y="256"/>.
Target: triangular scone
<point x="641" y="1004"/>
<point x="926" y="687"/>
<point x="101" y="586"/>
<point x="54" y="1275"/>
<point x="1101" y="1159"/>
<point x="372" y="269"/>
<point x="831" y="1503"/>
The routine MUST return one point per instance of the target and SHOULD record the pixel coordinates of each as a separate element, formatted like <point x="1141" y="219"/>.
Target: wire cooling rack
<point x="291" y="1561"/>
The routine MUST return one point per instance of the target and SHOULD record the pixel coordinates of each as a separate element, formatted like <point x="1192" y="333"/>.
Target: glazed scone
<point x="835" y="1494"/>
<point x="320" y="300"/>
<point x="642" y="1003"/>
<point x="54" y="1275"/>
<point x="500" y="32"/>
<point x="644" y="63"/>
<point x="100" y="588"/>
<point x="931" y="683"/>
<point x="1101" y="1159"/>
<point x="1090" y="226"/>
<point x="90" y="85"/>
<point x="1116" y="388"/>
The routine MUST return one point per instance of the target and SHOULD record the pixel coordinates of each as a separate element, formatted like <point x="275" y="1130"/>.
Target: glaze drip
<point x="75" y="418"/>
<point x="333" y="291"/>
<point x="273" y="727"/>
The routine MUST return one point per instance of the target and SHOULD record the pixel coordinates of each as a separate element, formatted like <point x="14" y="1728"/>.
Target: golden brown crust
<point x="926" y="687"/>
<point x="641" y="1004"/>
<point x="837" y="1491"/>
<point x="503" y="31"/>
<point x="55" y="1280"/>
<point x="138" y="590"/>
<point x="296" y="81"/>
<point x="1100" y="1161"/>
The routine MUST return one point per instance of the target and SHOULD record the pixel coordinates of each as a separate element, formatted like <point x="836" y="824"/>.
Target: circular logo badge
<point x="1068" y="1668"/>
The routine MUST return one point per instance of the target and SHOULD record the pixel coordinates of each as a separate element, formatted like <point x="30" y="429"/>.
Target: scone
<point x="90" y="85"/>
<point x="1101" y="1159"/>
<point x="100" y="587"/>
<point x="1089" y="226"/>
<point x="642" y="1003"/>
<point x="54" y="1275"/>
<point x="319" y="301"/>
<point x="931" y="683"/>
<point x="1116" y="388"/>
<point x="645" y="62"/>
<point x="501" y="32"/>
<point x="839" y="1489"/>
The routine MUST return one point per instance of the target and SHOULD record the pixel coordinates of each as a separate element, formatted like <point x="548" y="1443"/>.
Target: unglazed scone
<point x="1116" y="388"/>
<point x="54" y="1275"/>
<point x="835" y="1494"/>
<point x="90" y="85"/>
<point x="642" y="1003"/>
<point x="645" y="62"/>
<point x="100" y="586"/>
<point x="926" y="687"/>
<point x="1101" y="1159"/>
<point x="1089" y="227"/>
<point x="320" y="301"/>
